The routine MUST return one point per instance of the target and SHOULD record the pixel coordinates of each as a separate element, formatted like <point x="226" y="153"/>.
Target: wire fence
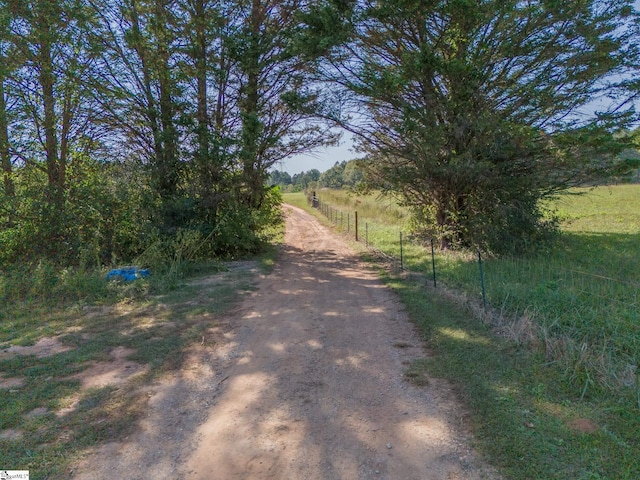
<point x="565" y="298"/>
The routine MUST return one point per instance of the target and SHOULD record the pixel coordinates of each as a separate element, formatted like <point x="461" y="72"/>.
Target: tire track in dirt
<point x="317" y="389"/>
<point x="305" y="383"/>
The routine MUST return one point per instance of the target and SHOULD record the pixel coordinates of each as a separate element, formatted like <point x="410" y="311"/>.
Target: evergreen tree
<point x="470" y="111"/>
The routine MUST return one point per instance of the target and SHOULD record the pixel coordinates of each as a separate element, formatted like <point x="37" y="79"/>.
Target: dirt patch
<point x="11" y="434"/>
<point x="304" y="380"/>
<point x="114" y="372"/>
<point x="11" y="382"/>
<point x="37" y="412"/>
<point x="45" y="347"/>
<point x="117" y="371"/>
<point x="233" y="271"/>
<point x="583" y="425"/>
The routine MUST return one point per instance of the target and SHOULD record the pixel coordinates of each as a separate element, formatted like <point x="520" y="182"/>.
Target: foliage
<point x="124" y="123"/>
<point x="341" y="175"/>
<point x="471" y="110"/>
<point x="102" y="219"/>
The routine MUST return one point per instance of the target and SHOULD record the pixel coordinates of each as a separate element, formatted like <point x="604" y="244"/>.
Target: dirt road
<point x="308" y="384"/>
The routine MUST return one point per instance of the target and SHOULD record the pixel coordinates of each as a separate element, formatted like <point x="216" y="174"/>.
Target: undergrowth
<point x="156" y="318"/>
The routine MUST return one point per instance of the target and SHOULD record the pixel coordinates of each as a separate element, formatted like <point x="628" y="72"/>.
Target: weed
<point x="568" y="343"/>
<point x="154" y="319"/>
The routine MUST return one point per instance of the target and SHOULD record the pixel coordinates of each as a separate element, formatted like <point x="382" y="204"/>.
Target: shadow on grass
<point x="157" y="330"/>
<point x="523" y="417"/>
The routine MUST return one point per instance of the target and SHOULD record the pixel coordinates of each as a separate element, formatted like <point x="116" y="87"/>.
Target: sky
<point x="322" y="159"/>
<point x="325" y="159"/>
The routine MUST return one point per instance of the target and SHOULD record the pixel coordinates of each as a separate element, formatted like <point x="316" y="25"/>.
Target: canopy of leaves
<point x="470" y="111"/>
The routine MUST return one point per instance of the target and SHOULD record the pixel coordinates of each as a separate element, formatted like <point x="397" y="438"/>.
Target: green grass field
<point x="551" y="377"/>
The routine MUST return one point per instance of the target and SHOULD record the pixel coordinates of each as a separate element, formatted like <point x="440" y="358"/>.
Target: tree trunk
<point x="55" y="168"/>
<point x="168" y="168"/>
<point x="251" y="125"/>
<point x="151" y="111"/>
<point x="200" y="52"/>
<point x="5" y="158"/>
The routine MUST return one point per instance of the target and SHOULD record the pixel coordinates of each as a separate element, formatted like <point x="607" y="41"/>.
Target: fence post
<point x="356" y="226"/>
<point x="401" y="255"/>
<point x="348" y="222"/>
<point x="433" y="263"/>
<point x="366" y="234"/>
<point x="484" y="296"/>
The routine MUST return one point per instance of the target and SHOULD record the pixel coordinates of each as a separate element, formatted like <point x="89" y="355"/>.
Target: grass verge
<point x="524" y="419"/>
<point x="48" y="416"/>
<point x="530" y="419"/>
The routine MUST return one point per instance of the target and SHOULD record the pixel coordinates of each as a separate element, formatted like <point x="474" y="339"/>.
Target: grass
<point x="525" y="420"/>
<point x="582" y="295"/>
<point x="154" y="318"/>
<point x="565" y="355"/>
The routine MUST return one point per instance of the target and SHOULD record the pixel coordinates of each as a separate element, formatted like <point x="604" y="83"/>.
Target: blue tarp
<point x="128" y="273"/>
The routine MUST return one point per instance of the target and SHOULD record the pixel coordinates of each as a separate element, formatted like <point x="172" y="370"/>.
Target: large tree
<point x="50" y="124"/>
<point x="5" y="69"/>
<point x="470" y="110"/>
<point x="276" y="97"/>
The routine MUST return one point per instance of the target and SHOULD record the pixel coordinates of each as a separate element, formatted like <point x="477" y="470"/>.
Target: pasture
<point x="551" y="372"/>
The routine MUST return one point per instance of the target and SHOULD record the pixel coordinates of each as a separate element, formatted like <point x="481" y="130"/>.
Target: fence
<point x="590" y="307"/>
<point x="389" y="242"/>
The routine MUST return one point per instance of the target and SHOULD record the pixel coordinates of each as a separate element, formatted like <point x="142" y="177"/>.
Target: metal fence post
<point x="366" y="234"/>
<point x="401" y="255"/>
<point x="433" y="263"/>
<point x="356" y="226"/>
<point x="484" y="296"/>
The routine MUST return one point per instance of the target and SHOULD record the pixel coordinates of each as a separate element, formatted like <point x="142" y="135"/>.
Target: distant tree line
<point x="343" y="174"/>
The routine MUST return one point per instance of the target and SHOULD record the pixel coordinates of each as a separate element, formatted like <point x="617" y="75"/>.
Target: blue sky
<point x="322" y="160"/>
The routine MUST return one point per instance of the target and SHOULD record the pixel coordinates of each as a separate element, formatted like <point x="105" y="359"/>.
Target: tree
<point x="306" y="180"/>
<point x="353" y="175"/>
<point x="206" y="61"/>
<point x="469" y="111"/>
<point x="5" y="157"/>
<point x="279" y="178"/>
<point x="51" y="111"/>
<point x="333" y="178"/>
<point x="275" y="97"/>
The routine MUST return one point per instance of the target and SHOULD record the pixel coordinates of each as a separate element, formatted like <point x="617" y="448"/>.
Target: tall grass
<point x="580" y="297"/>
<point x="537" y="405"/>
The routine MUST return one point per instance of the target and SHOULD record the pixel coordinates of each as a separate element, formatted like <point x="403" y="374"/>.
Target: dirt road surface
<point x="306" y="383"/>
